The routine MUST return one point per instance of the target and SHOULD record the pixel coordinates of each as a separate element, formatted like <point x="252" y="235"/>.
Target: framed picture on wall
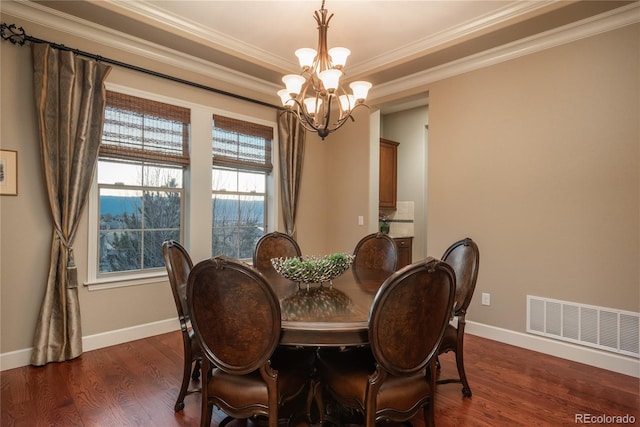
<point x="8" y="173"/>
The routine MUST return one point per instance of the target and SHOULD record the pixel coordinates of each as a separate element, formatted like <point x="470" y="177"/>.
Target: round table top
<point x="329" y="315"/>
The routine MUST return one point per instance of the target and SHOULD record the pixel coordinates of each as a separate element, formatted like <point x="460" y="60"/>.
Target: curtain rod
<point x="17" y="35"/>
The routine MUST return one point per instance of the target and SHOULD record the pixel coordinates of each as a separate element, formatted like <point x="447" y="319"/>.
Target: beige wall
<point x="536" y="159"/>
<point x="24" y="242"/>
<point x="25" y="230"/>
<point x="334" y="190"/>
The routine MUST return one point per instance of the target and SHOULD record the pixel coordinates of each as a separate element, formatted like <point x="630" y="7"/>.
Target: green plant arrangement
<point x="383" y="221"/>
<point x="313" y="269"/>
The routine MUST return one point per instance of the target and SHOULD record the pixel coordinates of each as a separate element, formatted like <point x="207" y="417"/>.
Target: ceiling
<point x="389" y="39"/>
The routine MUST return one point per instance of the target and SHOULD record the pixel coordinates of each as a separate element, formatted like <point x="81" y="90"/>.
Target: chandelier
<point x="315" y="96"/>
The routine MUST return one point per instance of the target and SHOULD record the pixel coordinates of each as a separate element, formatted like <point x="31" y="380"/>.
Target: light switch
<point x="486" y="299"/>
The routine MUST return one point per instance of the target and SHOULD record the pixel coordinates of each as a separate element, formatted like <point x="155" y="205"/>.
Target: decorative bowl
<point x="313" y="269"/>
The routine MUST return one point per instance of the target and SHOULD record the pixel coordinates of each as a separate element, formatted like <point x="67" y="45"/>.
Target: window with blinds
<point x="241" y="158"/>
<point x="143" y="155"/>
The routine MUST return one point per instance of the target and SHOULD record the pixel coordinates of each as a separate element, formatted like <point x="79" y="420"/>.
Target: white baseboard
<point x="106" y="339"/>
<point x="626" y="365"/>
<point x="613" y="362"/>
<point x="18" y="358"/>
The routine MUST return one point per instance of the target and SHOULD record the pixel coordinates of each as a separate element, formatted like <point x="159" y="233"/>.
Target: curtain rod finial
<point x="12" y="33"/>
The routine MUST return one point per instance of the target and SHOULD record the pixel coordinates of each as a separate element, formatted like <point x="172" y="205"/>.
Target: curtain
<point x="70" y="101"/>
<point x="291" y="151"/>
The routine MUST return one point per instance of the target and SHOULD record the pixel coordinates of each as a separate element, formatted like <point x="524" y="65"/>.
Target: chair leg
<point x="205" y="417"/>
<point x="273" y="420"/>
<point x="318" y="398"/>
<point x="369" y="418"/>
<point x="429" y="410"/>
<point x="186" y="373"/>
<point x="196" y="370"/>
<point x="429" y="415"/>
<point x="466" y="390"/>
<point x="206" y="407"/>
<point x="310" y="399"/>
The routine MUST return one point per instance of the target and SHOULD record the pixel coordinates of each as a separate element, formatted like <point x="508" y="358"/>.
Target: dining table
<point x="331" y="314"/>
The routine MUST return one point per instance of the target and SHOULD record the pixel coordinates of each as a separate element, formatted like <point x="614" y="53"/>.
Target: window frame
<point x="115" y="275"/>
<point x="95" y="279"/>
<point x="239" y="164"/>
<point x="197" y="185"/>
<point x="266" y="223"/>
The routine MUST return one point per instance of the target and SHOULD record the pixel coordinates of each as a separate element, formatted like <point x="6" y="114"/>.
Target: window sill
<point x="125" y="281"/>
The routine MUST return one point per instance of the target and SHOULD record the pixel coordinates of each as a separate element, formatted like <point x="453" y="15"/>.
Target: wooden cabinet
<point x="405" y="250"/>
<point x="388" y="173"/>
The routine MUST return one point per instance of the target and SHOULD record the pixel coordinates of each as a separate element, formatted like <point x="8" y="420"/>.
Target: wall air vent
<point x="604" y="328"/>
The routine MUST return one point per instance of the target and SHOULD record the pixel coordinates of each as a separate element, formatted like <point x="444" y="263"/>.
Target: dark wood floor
<point x="135" y="384"/>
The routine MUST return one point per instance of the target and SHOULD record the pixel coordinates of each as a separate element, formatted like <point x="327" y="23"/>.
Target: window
<point x="143" y="156"/>
<point x="156" y="180"/>
<point x="241" y="162"/>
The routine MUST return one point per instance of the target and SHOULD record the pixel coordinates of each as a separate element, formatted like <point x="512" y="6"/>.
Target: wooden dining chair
<point x="273" y="245"/>
<point x="236" y="318"/>
<point x="179" y="264"/>
<point x="376" y="251"/>
<point x="394" y="378"/>
<point x="464" y="258"/>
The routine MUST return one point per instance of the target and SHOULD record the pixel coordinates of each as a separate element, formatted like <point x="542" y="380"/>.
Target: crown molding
<point x="467" y="29"/>
<point x="168" y="19"/>
<point x="37" y="14"/>
<point x="614" y="19"/>
<point x="142" y="8"/>
<point x="58" y="21"/>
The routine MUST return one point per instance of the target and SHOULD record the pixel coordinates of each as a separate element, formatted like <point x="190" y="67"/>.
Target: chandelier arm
<point x="338" y="94"/>
<point x="303" y="121"/>
<point x="360" y="104"/>
<point x="302" y="117"/>
<point x="339" y="124"/>
<point x="342" y="121"/>
<point x="327" y="118"/>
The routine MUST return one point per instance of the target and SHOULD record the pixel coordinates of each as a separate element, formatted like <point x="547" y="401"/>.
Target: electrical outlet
<point x="486" y="299"/>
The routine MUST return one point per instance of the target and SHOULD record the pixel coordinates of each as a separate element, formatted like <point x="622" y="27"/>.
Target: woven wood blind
<point x="141" y="129"/>
<point x="240" y="144"/>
